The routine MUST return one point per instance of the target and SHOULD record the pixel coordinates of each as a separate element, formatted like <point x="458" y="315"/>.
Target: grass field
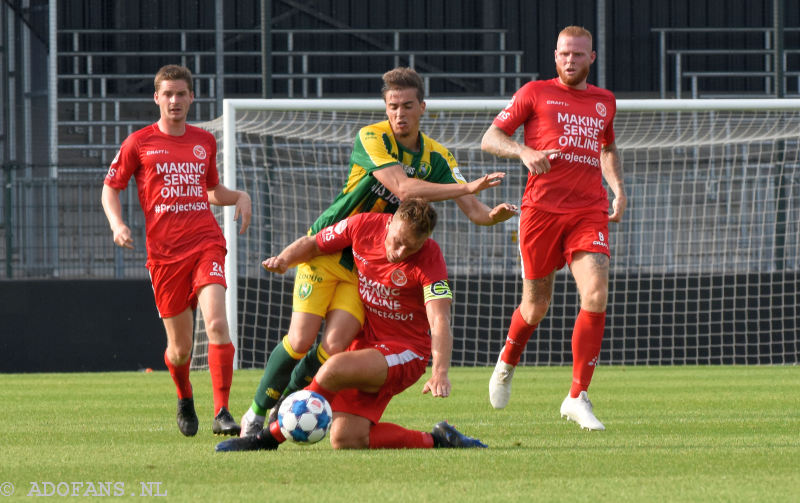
<point x="673" y="434"/>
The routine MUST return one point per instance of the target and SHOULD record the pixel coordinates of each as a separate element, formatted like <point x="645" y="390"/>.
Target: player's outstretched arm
<point x="113" y="210"/>
<point x="395" y="179"/>
<point x="223" y="196"/>
<point x="612" y="172"/>
<point x="481" y="214"/>
<point x="302" y="250"/>
<point x="438" y="311"/>
<point x="495" y="141"/>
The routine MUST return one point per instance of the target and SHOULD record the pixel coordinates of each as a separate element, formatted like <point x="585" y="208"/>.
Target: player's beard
<point x="574" y="79"/>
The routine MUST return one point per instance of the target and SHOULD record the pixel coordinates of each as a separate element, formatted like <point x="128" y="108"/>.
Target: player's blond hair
<point x="418" y="214"/>
<point x="173" y="72"/>
<point x="403" y="78"/>
<point x="576" y="31"/>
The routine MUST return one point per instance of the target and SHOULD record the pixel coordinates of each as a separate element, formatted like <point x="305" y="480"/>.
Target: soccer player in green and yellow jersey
<point x="391" y="161"/>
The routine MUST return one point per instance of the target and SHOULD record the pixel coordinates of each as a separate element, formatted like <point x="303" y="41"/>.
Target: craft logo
<point x="601" y="109"/>
<point x="217" y="269"/>
<point x="399" y="277"/>
<point x="340" y="227"/>
<point x="304" y="290"/>
<point x="601" y="241"/>
<point x="199" y="152"/>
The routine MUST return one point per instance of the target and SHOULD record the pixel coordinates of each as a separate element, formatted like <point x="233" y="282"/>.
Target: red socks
<point x="392" y="436"/>
<point x="381" y="435"/>
<point x="587" y="338"/>
<point x="315" y="387"/>
<point x="180" y="376"/>
<point x="220" y="365"/>
<point x="518" y="334"/>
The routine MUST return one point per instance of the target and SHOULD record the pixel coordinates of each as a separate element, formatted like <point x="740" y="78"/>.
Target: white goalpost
<point x="705" y="264"/>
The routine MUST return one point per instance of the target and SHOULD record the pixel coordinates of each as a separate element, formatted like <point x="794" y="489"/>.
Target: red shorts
<point x="547" y="241"/>
<point x="175" y="285"/>
<point x="405" y="368"/>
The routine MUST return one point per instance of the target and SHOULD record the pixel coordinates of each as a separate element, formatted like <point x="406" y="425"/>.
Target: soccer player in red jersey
<point x="402" y="281"/>
<point x="568" y="149"/>
<point x="174" y="165"/>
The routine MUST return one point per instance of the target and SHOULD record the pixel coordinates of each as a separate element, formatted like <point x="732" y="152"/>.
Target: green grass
<point x="673" y="434"/>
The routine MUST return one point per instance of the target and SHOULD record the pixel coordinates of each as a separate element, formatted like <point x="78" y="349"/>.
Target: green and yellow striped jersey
<point x="376" y="148"/>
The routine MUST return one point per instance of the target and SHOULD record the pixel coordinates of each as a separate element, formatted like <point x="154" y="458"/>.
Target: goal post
<point x="705" y="264"/>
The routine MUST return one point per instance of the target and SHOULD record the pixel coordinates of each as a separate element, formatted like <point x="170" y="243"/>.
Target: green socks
<point x="305" y="371"/>
<point x="276" y="376"/>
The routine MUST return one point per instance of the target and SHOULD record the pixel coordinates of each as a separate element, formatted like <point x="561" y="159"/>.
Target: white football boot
<point x="251" y="424"/>
<point x="500" y="384"/>
<point x="580" y="410"/>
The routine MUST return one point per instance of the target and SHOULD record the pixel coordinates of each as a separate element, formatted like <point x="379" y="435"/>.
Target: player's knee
<point x="534" y="312"/>
<point x="336" y="344"/>
<point x="343" y="439"/>
<point x="217" y="330"/>
<point x="179" y="355"/>
<point x="595" y="300"/>
<point x="299" y="341"/>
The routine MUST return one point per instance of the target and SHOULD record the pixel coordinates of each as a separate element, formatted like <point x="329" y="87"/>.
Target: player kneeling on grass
<point x="403" y="284"/>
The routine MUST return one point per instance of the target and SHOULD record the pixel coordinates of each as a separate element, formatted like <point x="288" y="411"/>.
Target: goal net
<point x="704" y="264"/>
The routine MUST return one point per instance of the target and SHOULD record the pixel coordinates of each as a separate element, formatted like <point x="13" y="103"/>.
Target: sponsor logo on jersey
<point x="304" y="290"/>
<point x="116" y="158"/>
<point x="558" y="102"/>
<point x="457" y="174"/>
<point x="199" y="152"/>
<point x="601" y="109"/>
<point x="156" y="152"/>
<point x="399" y="277"/>
<point x="340" y="227"/>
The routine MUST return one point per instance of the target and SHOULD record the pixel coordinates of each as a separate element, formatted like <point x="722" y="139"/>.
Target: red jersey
<point x="173" y="175"/>
<point x="576" y="122"/>
<point x="394" y="295"/>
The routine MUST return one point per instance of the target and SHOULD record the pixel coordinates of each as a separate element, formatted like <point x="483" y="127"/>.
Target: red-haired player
<point x="568" y="148"/>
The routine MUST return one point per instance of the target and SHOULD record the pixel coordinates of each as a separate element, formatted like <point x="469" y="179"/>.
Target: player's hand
<point x="618" y="205"/>
<point x="438" y="386"/>
<point x="122" y="236"/>
<point x="244" y="208"/>
<point x="276" y="265"/>
<point x="538" y="161"/>
<point x="484" y="182"/>
<point x="502" y="212"/>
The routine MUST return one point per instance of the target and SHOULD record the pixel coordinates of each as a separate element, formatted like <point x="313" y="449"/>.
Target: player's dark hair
<point x="403" y="78"/>
<point x="418" y="214"/>
<point x="173" y="72"/>
<point x="576" y="31"/>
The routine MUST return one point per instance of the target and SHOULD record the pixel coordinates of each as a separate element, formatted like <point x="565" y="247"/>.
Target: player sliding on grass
<point x="391" y="161"/>
<point x="568" y="149"/>
<point x="402" y="281"/>
<point x="174" y="165"/>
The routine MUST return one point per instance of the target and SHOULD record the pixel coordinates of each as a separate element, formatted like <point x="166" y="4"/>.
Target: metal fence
<point x="56" y="228"/>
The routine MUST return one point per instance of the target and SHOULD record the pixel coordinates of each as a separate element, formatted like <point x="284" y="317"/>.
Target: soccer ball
<point x="305" y="417"/>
